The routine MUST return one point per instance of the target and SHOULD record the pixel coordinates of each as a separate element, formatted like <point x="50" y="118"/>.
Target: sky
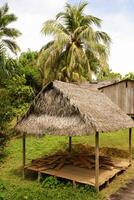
<point x="118" y="22"/>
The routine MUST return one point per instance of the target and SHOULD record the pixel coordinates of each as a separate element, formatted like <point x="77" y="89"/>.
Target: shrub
<point x="50" y="182"/>
<point x="2" y="189"/>
<point x="6" y="111"/>
<point x="3" y="140"/>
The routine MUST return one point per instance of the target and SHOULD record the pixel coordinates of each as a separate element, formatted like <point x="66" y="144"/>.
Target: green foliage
<point x="76" y="48"/>
<point x="20" y="95"/>
<point x="14" y="99"/>
<point x="33" y="78"/>
<point x="57" y="192"/>
<point x="2" y="185"/>
<point x="19" y="92"/>
<point x="37" y="193"/>
<point x="28" y="67"/>
<point x="8" y="35"/>
<point x="108" y="75"/>
<point x="28" y="58"/>
<point x="2" y="189"/>
<point x="6" y="111"/>
<point x="3" y="141"/>
<point x="130" y="76"/>
<point x="53" y="182"/>
<point x="50" y="182"/>
<point x="20" y="80"/>
<point x="8" y="68"/>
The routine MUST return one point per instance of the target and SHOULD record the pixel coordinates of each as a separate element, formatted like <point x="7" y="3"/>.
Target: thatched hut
<point x="73" y="110"/>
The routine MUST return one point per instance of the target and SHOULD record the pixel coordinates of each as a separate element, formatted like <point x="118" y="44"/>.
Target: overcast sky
<point x="118" y="22"/>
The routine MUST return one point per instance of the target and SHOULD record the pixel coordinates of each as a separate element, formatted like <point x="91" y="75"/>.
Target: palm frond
<point x="11" y="44"/>
<point x="9" y="32"/>
<point x="54" y="28"/>
<point x="2" y="49"/>
<point x="48" y="65"/>
<point x="81" y="6"/>
<point x="86" y="33"/>
<point x="102" y="37"/>
<point x="90" y="19"/>
<point x="4" y="9"/>
<point x="46" y="46"/>
<point x="102" y="50"/>
<point x="60" y="15"/>
<point x="7" y="19"/>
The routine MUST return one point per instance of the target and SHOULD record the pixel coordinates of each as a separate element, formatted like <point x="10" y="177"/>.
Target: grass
<point x="13" y="187"/>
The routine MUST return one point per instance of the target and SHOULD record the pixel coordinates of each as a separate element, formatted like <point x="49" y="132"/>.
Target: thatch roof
<point x="69" y="109"/>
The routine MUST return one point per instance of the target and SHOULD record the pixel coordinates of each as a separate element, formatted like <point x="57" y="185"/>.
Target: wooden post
<point x="130" y="146"/>
<point x="74" y="184"/>
<point x="39" y="177"/>
<point x="70" y="143"/>
<point x="97" y="161"/>
<point x="24" y="153"/>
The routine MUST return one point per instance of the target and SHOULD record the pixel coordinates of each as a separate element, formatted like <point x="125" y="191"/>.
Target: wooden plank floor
<point x="125" y="193"/>
<point x="82" y="175"/>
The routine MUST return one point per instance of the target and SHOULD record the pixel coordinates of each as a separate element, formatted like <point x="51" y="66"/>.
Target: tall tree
<point x="7" y="42"/>
<point x="8" y="34"/>
<point x="76" y="48"/>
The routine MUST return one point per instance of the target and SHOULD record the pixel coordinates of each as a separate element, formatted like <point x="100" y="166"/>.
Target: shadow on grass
<point x="29" y="175"/>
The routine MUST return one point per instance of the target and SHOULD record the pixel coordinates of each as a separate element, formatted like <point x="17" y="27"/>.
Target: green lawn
<point x="13" y="187"/>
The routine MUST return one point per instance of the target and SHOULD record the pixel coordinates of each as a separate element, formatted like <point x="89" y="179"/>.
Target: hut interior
<point x="71" y="110"/>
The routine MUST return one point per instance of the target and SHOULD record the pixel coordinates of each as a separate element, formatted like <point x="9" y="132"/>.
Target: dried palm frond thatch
<point x="69" y="109"/>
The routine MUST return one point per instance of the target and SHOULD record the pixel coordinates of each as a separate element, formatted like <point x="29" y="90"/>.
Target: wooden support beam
<point x="74" y="184"/>
<point x="130" y="146"/>
<point x="39" y="177"/>
<point x="24" y="153"/>
<point x="97" y="161"/>
<point x="70" y="144"/>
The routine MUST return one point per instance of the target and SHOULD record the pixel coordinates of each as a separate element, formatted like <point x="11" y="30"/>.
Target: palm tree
<point x="7" y="42"/>
<point x="7" y="34"/>
<point x="76" y="48"/>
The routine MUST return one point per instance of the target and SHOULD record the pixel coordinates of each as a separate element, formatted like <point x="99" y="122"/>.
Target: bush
<point x="3" y="140"/>
<point x="50" y="182"/>
<point x="2" y="189"/>
<point x="14" y="100"/>
<point x="18" y="92"/>
<point x="6" y="111"/>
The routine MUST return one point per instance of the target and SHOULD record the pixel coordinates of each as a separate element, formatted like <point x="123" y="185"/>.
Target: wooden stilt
<point x="39" y="177"/>
<point x="24" y="153"/>
<point x="74" y="184"/>
<point x="97" y="161"/>
<point x="107" y="183"/>
<point x="130" y="146"/>
<point x="70" y="143"/>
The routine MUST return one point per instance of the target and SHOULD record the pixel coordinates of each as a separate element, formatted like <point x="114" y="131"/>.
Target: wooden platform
<point x="82" y="175"/>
